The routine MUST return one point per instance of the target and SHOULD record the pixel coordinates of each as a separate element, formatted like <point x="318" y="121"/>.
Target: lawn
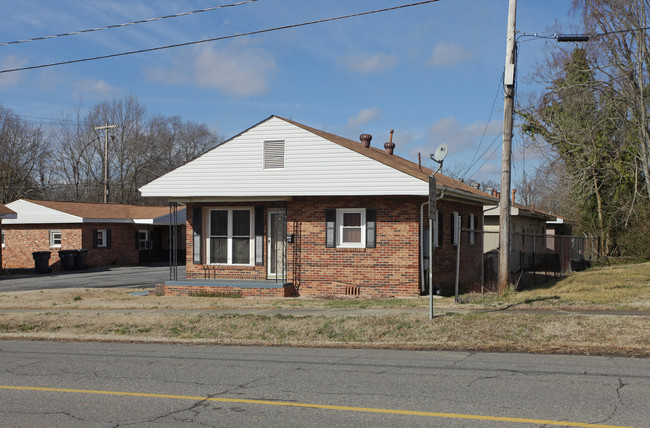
<point x="602" y="311"/>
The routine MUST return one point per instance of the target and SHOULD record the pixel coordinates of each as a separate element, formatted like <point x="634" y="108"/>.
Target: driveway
<point x="124" y="276"/>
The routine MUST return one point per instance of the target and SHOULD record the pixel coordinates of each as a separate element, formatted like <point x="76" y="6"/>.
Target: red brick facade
<point x="390" y="269"/>
<point x="22" y="240"/>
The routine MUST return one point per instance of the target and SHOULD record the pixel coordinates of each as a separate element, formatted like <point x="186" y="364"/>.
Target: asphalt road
<point x="126" y="276"/>
<point x="62" y="384"/>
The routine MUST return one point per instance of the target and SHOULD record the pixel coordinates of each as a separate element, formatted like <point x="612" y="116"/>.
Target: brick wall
<point x="390" y="269"/>
<point x="22" y="240"/>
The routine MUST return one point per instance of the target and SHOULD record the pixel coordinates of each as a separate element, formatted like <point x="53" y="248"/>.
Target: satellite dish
<point x="440" y="153"/>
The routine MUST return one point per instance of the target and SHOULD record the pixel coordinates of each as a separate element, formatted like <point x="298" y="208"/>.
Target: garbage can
<point x="42" y="261"/>
<point x="80" y="259"/>
<point x="67" y="259"/>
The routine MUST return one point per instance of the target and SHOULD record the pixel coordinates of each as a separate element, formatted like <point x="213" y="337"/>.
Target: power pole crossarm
<point x="508" y="107"/>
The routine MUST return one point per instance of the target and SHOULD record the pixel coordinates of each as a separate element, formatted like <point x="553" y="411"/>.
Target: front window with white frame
<point x="231" y="236"/>
<point x="471" y="229"/>
<point x="143" y="239"/>
<point x="102" y="241"/>
<point x="55" y="239"/>
<point x="351" y="228"/>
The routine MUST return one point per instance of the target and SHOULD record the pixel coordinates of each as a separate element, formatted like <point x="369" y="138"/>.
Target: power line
<point x="142" y="21"/>
<point x="487" y="124"/>
<point x="214" y="39"/>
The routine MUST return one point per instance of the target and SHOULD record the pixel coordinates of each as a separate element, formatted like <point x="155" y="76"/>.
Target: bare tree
<point x="24" y="156"/>
<point x="140" y="149"/>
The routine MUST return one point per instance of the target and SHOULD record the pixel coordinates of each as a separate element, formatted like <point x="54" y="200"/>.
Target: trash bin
<point x="67" y="259"/>
<point x="42" y="261"/>
<point x="80" y="259"/>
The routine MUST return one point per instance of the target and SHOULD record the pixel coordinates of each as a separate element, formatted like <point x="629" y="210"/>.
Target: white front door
<point x="277" y="244"/>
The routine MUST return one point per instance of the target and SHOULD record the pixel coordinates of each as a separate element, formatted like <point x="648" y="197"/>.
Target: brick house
<point x="285" y="209"/>
<point x="113" y="234"/>
<point x="5" y="213"/>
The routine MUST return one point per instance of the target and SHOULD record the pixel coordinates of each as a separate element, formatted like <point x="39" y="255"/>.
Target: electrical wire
<point x="142" y="21"/>
<point x="487" y="124"/>
<point x="214" y="39"/>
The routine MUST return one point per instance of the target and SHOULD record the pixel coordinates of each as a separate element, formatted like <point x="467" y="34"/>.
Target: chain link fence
<point x="535" y="258"/>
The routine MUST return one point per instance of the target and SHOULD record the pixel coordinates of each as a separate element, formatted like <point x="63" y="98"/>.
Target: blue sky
<point x="430" y="72"/>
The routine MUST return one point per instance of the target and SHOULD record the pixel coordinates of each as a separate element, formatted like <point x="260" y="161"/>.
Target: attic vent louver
<point x="273" y="154"/>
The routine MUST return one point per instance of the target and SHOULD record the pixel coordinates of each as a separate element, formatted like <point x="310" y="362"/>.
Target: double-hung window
<point x="351" y="228"/>
<point x="471" y="228"/>
<point x="101" y="238"/>
<point x="55" y="239"/>
<point x="230" y="240"/>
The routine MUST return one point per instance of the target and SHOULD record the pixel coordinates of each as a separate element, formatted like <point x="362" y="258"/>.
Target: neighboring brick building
<point x="113" y="234"/>
<point x="283" y="208"/>
<point x="4" y="213"/>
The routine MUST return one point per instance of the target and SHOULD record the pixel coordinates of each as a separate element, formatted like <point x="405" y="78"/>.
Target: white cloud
<point x="460" y="137"/>
<point x="445" y="54"/>
<point x="98" y="88"/>
<point x="365" y="115"/>
<point x="7" y="63"/>
<point x="369" y="63"/>
<point x="237" y="72"/>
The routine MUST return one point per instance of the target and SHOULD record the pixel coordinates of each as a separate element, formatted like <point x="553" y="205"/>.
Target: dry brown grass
<point x="118" y="315"/>
<point x="502" y="331"/>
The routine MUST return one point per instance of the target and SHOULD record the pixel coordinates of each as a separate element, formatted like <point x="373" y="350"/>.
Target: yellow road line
<point x="318" y="406"/>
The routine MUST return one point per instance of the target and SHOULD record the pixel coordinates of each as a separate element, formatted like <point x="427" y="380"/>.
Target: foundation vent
<point x="352" y="291"/>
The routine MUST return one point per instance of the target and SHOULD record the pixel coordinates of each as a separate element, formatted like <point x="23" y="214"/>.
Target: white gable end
<point x="313" y="166"/>
<point x="31" y="213"/>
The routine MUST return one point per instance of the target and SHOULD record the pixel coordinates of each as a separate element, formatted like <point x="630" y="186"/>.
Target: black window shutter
<point x="259" y="236"/>
<point x="197" y="222"/>
<point x="108" y="238"/>
<point x="94" y="238"/>
<point x="371" y="228"/>
<point x="330" y="228"/>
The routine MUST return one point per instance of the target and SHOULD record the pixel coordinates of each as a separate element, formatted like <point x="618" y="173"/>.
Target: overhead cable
<point x="142" y="21"/>
<point x="214" y="39"/>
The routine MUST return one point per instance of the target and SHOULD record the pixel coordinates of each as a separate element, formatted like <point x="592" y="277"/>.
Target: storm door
<point x="277" y="244"/>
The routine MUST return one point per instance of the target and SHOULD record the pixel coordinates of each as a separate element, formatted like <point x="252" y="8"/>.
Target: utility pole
<point x="105" y="128"/>
<point x="508" y="107"/>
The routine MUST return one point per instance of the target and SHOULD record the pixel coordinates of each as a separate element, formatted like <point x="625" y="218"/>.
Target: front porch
<point x="227" y="287"/>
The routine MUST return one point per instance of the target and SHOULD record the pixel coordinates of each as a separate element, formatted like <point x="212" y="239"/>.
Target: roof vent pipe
<point x="365" y="140"/>
<point x="390" y="146"/>
<point x="513" y="195"/>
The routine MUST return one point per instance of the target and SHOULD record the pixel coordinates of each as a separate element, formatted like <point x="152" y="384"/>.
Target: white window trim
<point x="52" y="244"/>
<point x="472" y="225"/>
<point x="251" y="229"/>
<point x="2" y="239"/>
<point x="101" y="243"/>
<point x="146" y="241"/>
<point x="455" y="228"/>
<point x="339" y="228"/>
